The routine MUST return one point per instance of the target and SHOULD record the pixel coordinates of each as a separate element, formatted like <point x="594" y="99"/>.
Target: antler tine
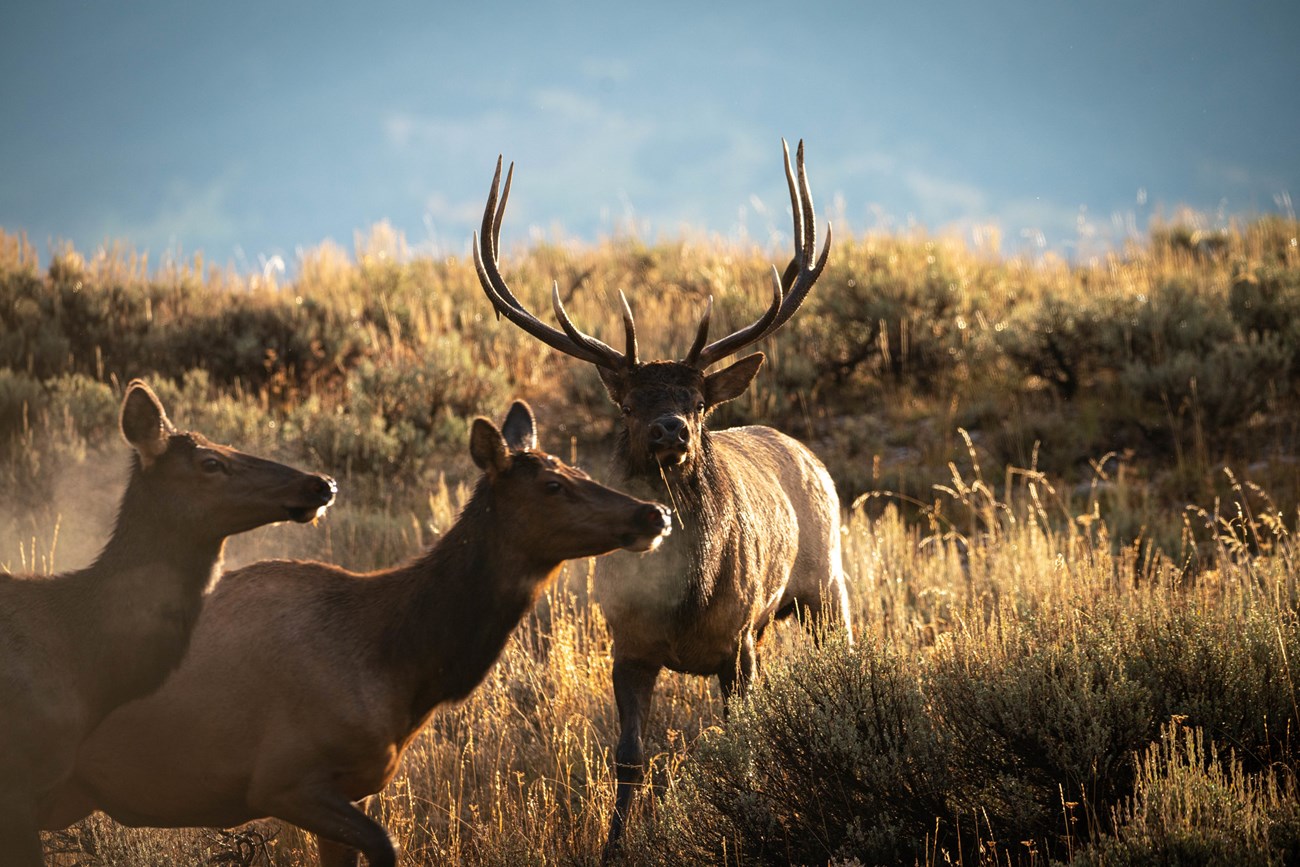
<point x="736" y="340"/>
<point x="701" y="335"/>
<point x="629" y="332"/>
<point x="497" y="209"/>
<point x="791" y="288"/>
<point x="584" y="341"/>
<point x="796" y="285"/>
<point x="490" y="232"/>
<point x="571" y="341"/>
<point x="796" y="200"/>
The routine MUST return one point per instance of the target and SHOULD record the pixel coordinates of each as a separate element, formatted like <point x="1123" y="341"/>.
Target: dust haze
<point x="68" y="530"/>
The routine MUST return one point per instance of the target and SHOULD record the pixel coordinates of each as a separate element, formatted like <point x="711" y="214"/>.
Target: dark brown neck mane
<point x="147" y="584"/>
<point x="463" y="598"/>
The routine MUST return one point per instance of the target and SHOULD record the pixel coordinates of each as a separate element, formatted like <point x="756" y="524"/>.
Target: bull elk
<point x="759" y="530"/>
<point x="306" y="682"/>
<point x="76" y="645"/>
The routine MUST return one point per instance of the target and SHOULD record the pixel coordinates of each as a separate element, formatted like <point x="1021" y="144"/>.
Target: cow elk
<point x="759" y="521"/>
<point x="305" y="682"/>
<point x="76" y="645"/>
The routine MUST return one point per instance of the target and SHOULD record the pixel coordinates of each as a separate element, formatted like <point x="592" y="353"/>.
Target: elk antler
<point x="570" y="341"/>
<point x="788" y="290"/>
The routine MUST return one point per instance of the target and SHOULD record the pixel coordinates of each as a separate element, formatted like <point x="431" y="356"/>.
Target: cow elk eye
<point x="211" y="465"/>
<point x="553" y="487"/>
<point x="699" y="407"/>
<point x="627" y="409"/>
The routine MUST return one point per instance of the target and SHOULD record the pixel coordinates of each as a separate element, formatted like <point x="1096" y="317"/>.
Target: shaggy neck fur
<point x="701" y="493"/>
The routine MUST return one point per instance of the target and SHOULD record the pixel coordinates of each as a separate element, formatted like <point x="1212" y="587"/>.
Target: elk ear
<point x="520" y="430"/>
<point x="615" y="383"/>
<point x="488" y="448"/>
<point x="731" y="382"/>
<point x="144" y="422"/>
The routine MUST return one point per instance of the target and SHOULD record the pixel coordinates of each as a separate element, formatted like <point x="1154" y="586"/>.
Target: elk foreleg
<point x="332" y="854"/>
<point x="341" y="828"/>
<point x="634" y="684"/>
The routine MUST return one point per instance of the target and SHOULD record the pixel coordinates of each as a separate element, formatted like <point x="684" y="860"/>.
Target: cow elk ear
<point x="731" y="382"/>
<point x="144" y="422"/>
<point x="488" y="448"/>
<point x="520" y="430"/>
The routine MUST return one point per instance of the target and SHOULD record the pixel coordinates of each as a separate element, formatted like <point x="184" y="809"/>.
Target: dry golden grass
<point x="520" y="773"/>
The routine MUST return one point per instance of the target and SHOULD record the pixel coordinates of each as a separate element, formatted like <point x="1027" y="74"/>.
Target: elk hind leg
<point x="834" y="611"/>
<point x="735" y="679"/>
<point x="825" y="607"/>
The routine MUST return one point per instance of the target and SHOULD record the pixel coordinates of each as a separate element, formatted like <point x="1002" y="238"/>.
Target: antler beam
<point x="570" y="341"/>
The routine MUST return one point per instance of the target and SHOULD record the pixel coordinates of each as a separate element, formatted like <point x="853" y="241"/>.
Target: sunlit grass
<point x="1012" y="625"/>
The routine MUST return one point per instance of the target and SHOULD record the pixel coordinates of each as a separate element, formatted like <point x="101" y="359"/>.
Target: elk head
<point x="664" y="403"/>
<point x="201" y="484"/>
<point x="556" y="512"/>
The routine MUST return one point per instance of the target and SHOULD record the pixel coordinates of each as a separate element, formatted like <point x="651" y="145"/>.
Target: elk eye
<point x="699" y="407"/>
<point x="553" y="487"/>
<point x="627" y="409"/>
<point x="211" y="465"/>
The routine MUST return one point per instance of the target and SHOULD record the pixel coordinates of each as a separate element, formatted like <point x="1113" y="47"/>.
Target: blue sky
<point x="247" y="130"/>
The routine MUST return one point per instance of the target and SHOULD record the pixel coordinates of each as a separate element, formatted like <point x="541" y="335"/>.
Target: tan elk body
<point x="76" y="645"/>
<point x="305" y="681"/>
<point x="758" y="535"/>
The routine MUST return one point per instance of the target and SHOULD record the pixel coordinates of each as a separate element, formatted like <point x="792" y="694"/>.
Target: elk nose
<point x="323" y="488"/>
<point x="655" y="518"/>
<point x="669" y="430"/>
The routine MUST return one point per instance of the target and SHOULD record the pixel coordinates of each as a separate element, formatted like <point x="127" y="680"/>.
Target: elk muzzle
<point x="670" y="440"/>
<point x="316" y="493"/>
<point x="653" y="523"/>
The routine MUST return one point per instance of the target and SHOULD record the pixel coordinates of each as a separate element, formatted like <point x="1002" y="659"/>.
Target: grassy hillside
<point x="1073" y="490"/>
<point x="1132" y="383"/>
